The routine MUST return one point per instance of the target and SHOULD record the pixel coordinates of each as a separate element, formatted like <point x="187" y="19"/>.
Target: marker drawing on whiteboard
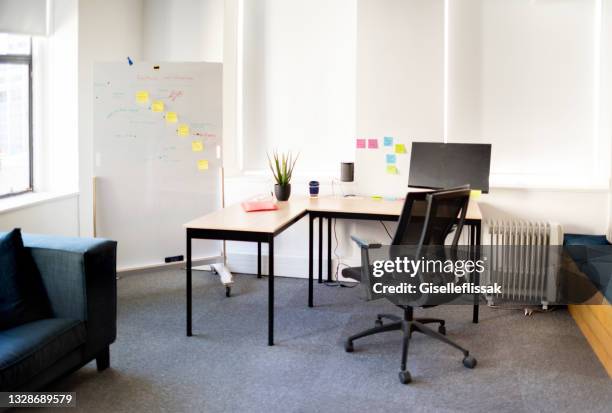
<point x="130" y="61"/>
<point x="175" y="94"/>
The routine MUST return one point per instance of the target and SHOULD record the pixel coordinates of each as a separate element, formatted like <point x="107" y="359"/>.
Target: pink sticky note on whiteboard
<point x="372" y="143"/>
<point x="361" y="143"/>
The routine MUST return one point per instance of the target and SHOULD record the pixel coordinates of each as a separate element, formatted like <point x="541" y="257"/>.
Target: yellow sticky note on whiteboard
<point x="202" y="164"/>
<point x="475" y="194"/>
<point x="171" y="117"/>
<point x="157" y="106"/>
<point x="400" y="148"/>
<point x="183" y="130"/>
<point x="197" y="146"/>
<point x="392" y="169"/>
<point x="142" y="96"/>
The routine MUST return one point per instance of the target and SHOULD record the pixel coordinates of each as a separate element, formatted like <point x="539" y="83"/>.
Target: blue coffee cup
<point x="313" y="188"/>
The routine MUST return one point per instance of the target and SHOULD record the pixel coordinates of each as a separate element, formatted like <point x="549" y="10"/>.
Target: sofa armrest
<point x="80" y="278"/>
<point x="362" y="243"/>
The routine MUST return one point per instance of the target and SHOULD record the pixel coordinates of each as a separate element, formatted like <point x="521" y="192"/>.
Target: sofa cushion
<point x="22" y="295"/>
<point x="28" y="349"/>
<point x="582" y="239"/>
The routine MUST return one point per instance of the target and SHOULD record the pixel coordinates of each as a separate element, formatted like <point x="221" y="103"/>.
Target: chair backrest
<point x="428" y="217"/>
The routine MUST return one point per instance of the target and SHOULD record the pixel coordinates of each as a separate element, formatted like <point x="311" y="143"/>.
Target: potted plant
<point x="282" y="168"/>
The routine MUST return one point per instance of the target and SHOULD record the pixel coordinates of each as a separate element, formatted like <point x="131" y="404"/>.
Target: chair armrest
<point x="80" y="278"/>
<point x="365" y="243"/>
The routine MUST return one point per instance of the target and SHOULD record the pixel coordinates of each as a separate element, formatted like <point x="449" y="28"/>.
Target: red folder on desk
<point x="253" y="206"/>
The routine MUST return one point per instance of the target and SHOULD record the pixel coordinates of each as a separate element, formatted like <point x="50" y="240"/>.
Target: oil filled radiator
<point x="524" y="258"/>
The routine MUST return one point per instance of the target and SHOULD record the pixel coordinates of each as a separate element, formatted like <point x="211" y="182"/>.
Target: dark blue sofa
<point x="593" y="256"/>
<point x="79" y="276"/>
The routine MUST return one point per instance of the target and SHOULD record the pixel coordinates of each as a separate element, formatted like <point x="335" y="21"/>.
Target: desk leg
<point x="329" y="249"/>
<point x="320" y="249"/>
<point x="271" y="291"/>
<point x="310" y="260"/>
<point x="188" y="276"/>
<point x="259" y="260"/>
<point x="475" y="242"/>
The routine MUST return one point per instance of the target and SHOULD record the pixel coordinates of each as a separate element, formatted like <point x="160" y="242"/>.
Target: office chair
<point x="427" y="219"/>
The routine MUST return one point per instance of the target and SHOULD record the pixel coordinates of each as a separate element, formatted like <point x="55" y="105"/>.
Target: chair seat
<point x="30" y="348"/>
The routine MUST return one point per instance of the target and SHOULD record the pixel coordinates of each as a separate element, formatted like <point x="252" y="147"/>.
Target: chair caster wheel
<point x="404" y="377"/>
<point x="378" y="323"/>
<point x="442" y="330"/>
<point x="228" y="291"/>
<point x="469" y="362"/>
<point x="348" y="347"/>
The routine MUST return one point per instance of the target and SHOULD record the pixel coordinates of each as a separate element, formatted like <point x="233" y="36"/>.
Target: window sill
<point x="33" y="198"/>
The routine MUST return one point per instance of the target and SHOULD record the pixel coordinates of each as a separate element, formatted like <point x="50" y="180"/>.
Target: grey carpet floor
<point x="525" y="364"/>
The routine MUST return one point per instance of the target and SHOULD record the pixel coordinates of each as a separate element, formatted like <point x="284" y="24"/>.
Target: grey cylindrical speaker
<point x="347" y="171"/>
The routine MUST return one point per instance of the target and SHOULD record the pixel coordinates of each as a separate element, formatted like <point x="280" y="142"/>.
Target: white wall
<point x="397" y="45"/>
<point x="109" y="30"/>
<point x="299" y="94"/>
<point x="578" y="211"/>
<point x="54" y="217"/>
<point x="400" y="79"/>
<point x="400" y="76"/>
<point x="183" y="30"/>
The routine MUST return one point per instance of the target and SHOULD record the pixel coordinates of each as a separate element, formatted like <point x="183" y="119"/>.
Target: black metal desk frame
<point x="268" y="237"/>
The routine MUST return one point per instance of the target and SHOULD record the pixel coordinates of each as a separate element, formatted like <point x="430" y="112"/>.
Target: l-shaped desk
<point x="234" y="224"/>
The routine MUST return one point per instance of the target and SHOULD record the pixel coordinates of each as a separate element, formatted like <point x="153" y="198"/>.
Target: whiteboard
<point x="157" y="156"/>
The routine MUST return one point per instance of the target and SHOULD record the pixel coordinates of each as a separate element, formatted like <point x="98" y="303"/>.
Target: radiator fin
<point x="520" y="260"/>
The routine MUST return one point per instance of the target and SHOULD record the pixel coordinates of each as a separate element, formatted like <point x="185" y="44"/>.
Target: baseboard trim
<point x="194" y="262"/>
<point x="284" y="265"/>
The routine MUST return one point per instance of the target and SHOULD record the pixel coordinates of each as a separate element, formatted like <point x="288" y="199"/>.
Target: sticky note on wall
<point x="392" y="169"/>
<point x="391" y="158"/>
<point x="400" y="148"/>
<point x="171" y="117"/>
<point x="183" y="130"/>
<point x="388" y="141"/>
<point x="142" y="96"/>
<point x="361" y="143"/>
<point x="202" y="164"/>
<point x="157" y="106"/>
<point x="197" y="146"/>
<point x="372" y="143"/>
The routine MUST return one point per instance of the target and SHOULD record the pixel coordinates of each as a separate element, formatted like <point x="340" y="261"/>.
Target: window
<point x="15" y="114"/>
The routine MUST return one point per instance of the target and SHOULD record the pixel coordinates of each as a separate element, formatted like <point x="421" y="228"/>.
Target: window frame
<point x="24" y="59"/>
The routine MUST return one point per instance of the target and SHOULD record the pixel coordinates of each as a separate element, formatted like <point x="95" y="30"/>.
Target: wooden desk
<point x="233" y="224"/>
